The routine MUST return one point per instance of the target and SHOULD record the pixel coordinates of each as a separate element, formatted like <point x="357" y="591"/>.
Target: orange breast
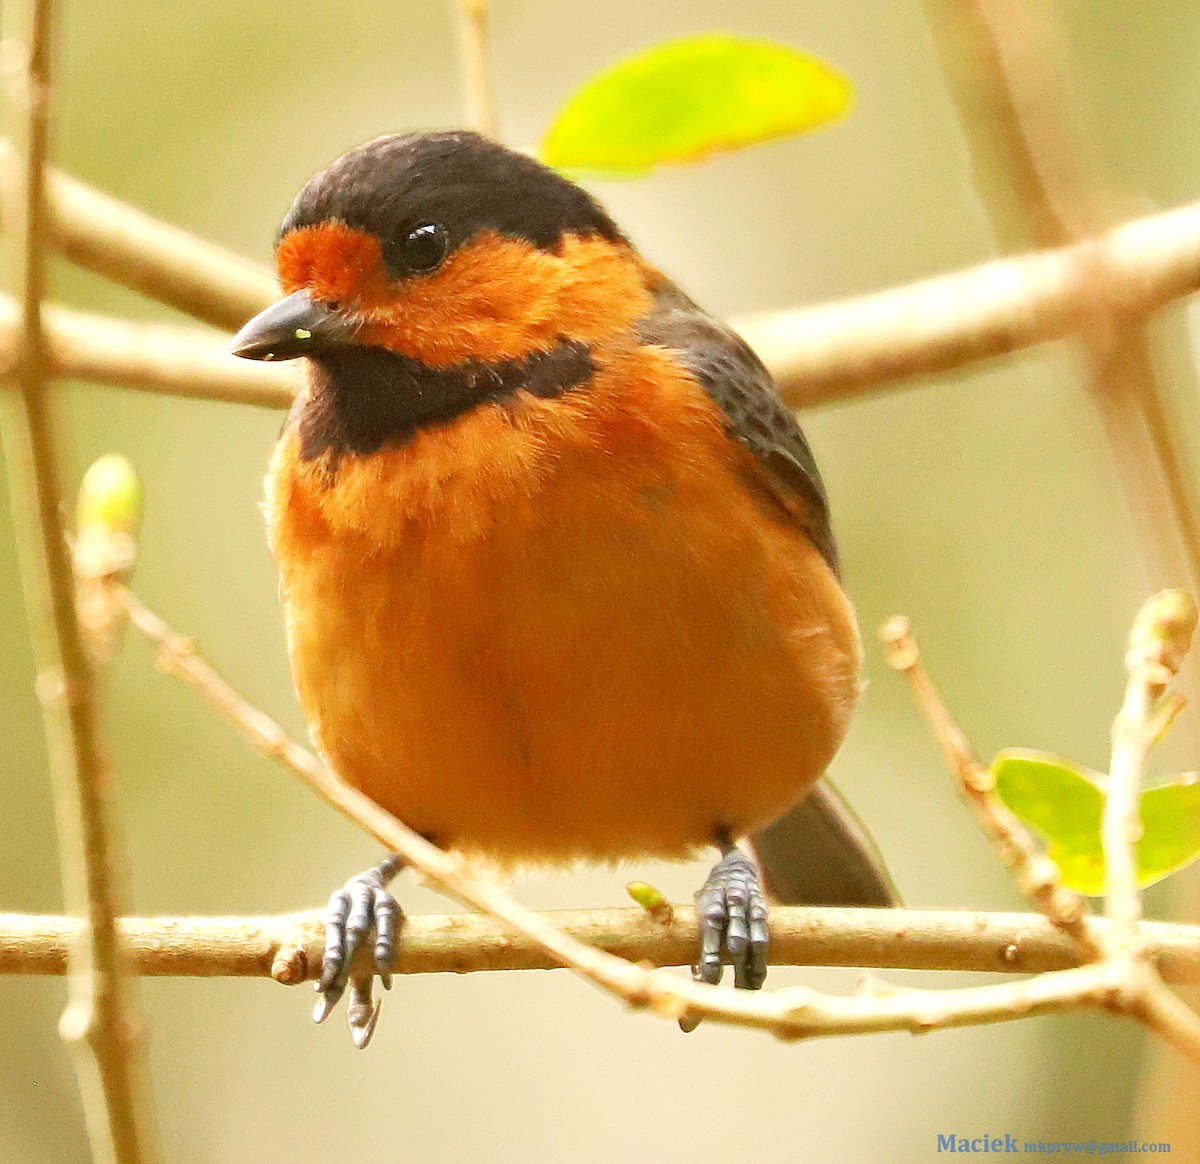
<point x="559" y="629"/>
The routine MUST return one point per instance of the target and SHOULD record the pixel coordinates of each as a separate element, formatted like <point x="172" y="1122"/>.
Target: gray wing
<point x="820" y="853"/>
<point x="817" y="853"/>
<point x="735" y="378"/>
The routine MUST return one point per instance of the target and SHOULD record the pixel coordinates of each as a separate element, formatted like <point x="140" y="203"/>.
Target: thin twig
<point x="1158" y="643"/>
<point x="290" y="947"/>
<point x="1134" y="987"/>
<point x="479" y="102"/>
<point x="99" y="1021"/>
<point x="1036" y="875"/>
<point x="1163" y="1012"/>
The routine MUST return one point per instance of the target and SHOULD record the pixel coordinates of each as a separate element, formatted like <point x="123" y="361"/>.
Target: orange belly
<point x="563" y="629"/>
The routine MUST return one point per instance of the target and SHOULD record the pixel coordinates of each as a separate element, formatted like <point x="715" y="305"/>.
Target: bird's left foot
<point x="362" y="903"/>
<point x="732" y="913"/>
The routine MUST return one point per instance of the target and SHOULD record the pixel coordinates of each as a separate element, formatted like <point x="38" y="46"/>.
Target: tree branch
<point x="818" y="355"/>
<point x="128" y="246"/>
<point x="1159" y="642"/>
<point x="1020" y="99"/>
<point x="289" y="948"/>
<point x="99" y="1021"/>
<point x="180" y="361"/>
<point x="790" y="1014"/>
<point x="1128" y="983"/>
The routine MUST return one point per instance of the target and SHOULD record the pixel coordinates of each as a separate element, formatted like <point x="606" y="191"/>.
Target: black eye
<point x="425" y="246"/>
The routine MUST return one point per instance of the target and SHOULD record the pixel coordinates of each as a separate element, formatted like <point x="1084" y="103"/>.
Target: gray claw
<point x="362" y="1012"/>
<point x="324" y="1008"/>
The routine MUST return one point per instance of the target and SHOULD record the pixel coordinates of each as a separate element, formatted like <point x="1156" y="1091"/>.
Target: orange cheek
<point x="499" y="298"/>
<point x="496" y="298"/>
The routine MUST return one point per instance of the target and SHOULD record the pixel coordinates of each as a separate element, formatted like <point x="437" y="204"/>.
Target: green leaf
<point x="1171" y="824"/>
<point x="681" y="101"/>
<point x="1064" y="803"/>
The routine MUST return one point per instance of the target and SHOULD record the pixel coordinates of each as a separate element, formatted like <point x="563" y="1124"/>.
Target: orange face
<point x="494" y="298"/>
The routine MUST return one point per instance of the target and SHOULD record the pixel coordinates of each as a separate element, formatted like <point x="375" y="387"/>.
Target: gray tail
<point x="820" y="853"/>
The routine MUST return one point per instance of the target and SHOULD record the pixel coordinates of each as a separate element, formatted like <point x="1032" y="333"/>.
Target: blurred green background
<point x="984" y="505"/>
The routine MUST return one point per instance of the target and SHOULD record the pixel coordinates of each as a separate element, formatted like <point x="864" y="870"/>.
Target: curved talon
<point x="361" y="904"/>
<point x="362" y="1012"/>
<point x="324" y="1008"/>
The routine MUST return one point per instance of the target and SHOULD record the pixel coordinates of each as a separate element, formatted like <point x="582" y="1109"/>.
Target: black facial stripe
<point x="362" y="398"/>
<point x="458" y="179"/>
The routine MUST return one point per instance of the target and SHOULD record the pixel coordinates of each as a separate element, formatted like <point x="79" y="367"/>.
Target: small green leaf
<point x="1171" y="828"/>
<point x="681" y="101"/>
<point x="1065" y="804"/>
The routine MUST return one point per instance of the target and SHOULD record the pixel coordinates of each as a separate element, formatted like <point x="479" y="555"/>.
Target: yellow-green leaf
<point x="681" y="101"/>
<point x="1064" y="803"/>
<point x="1171" y="828"/>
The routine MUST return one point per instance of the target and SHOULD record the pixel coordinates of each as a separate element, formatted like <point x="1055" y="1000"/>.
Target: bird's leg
<point x="732" y="913"/>
<point x="362" y="903"/>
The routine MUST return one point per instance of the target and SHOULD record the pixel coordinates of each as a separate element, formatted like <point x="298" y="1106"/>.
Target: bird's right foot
<point x="363" y="903"/>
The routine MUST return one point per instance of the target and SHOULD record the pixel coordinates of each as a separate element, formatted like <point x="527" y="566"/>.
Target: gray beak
<point x="295" y="326"/>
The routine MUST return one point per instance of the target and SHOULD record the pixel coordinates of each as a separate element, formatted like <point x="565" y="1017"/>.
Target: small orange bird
<point x="556" y="560"/>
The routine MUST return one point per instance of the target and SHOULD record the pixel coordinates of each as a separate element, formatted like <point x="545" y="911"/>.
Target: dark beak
<point x="295" y="326"/>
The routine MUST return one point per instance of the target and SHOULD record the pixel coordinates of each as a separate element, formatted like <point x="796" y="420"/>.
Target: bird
<point x="556" y="561"/>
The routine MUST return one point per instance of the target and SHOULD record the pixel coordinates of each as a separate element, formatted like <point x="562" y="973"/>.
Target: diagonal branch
<point x="1116" y="948"/>
<point x="131" y="247"/>
<point x="1018" y="93"/>
<point x="1035" y="874"/>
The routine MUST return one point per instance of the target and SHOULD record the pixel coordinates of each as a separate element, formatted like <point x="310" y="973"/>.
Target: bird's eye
<point x="425" y="246"/>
